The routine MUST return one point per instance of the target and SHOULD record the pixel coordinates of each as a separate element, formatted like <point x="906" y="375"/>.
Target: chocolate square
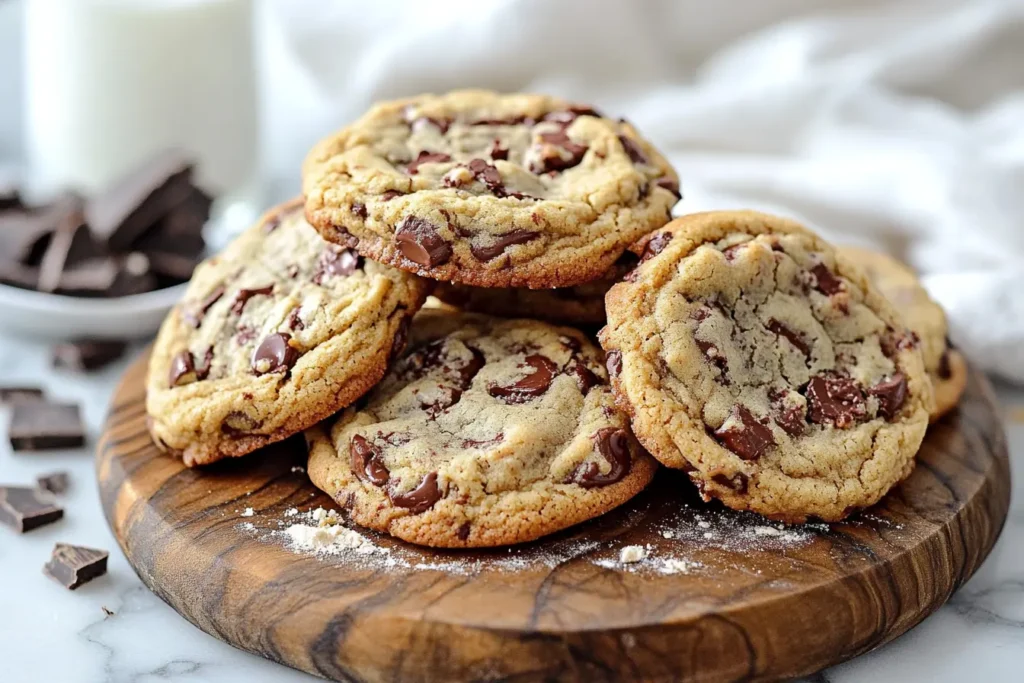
<point x="73" y="565"/>
<point x="24" y="509"/>
<point x="41" y="426"/>
<point x="55" y="482"/>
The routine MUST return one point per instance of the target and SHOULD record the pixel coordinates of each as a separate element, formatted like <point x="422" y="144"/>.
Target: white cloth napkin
<point x="898" y="125"/>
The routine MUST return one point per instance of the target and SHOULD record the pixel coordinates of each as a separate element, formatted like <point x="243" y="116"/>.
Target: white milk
<point x="109" y="82"/>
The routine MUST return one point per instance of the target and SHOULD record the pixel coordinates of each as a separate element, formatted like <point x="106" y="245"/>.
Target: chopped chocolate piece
<point x="243" y="296"/>
<point x="24" y="509"/>
<point x="463" y="531"/>
<point x="40" y="426"/>
<point x="419" y="241"/>
<point x="499" y="152"/>
<point x="71" y="243"/>
<point x="567" y="116"/>
<point x="531" y="386"/>
<point x="274" y="354"/>
<point x="17" y="275"/>
<point x="194" y="316"/>
<point x="426" y="157"/>
<point x="790" y="416"/>
<point x="556" y="152"/>
<point x="614" y="363"/>
<point x="794" y="337"/>
<point x="388" y="195"/>
<point x="56" y="482"/>
<point x="742" y="434"/>
<point x="334" y="262"/>
<point x="826" y="282"/>
<point x="22" y="394"/>
<point x="85" y="355"/>
<point x="24" y="237"/>
<point x="670" y="185"/>
<point x="835" y="398"/>
<point x="891" y="393"/>
<point x="502" y="243"/>
<point x="366" y="461"/>
<point x="613" y="444"/>
<point x="124" y="212"/>
<point x="448" y="397"/>
<point x="633" y="151"/>
<point x="655" y="245"/>
<point x="421" y="498"/>
<point x="584" y="376"/>
<point x="74" y="565"/>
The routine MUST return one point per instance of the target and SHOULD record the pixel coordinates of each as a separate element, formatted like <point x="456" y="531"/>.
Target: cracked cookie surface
<point x="489" y="190"/>
<point x="277" y="332"/>
<point x="768" y="367"/>
<point x="946" y="366"/>
<point x="485" y="432"/>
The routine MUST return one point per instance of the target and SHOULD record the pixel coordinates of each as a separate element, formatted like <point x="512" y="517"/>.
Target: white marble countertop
<point x="48" y="633"/>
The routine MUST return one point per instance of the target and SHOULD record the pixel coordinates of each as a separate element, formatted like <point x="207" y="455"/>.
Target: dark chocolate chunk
<point x="633" y="151"/>
<point x="182" y="370"/>
<point x="243" y="296"/>
<point x="655" y="245"/>
<point x="501" y="243"/>
<point x="71" y="244"/>
<point x="420" y="122"/>
<point x="557" y="153"/>
<point x="85" y="355"/>
<point x="738" y="482"/>
<point x="891" y="393"/>
<point x="893" y="342"/>
<point x="421" y="498"/>
<point x="744" y="435"/>
<point x="531" y="386"/>
<point x="791" y="418"/>
<point x="425" y="157"/>
<point x="463" y="531"/>
<point x="237" y="423"/>
<point x="945" y="370"/>
<point x="295" y="320"/>
<point x="73" y="565"/>
<point x="194" y="314"/>
<point x="584" y="376"/>
<point x="420" y="242"/>
<point x="388" y="195"/>
<point x="274" y="354"/>
<point x="20" y="394"/>
<point x="714" y="356"/>
<point x="499" y="151"/>
<point x="834" y="398"/>
<point x="448" y="396"/>
<point x="613" y="444"/>
<point x="24" y="509"/>
<point x="142" y="197"/>
<point x="55" y="482"/>
<point x="367" y="461"/>
<point x="613" y="361"/>
<point x="41" y="426"/>
<point x="336" y="262"/>
<point x="25" y="236"/>
<point x="825" y="281"/>
<point x="794" y="337"/>
<point x="477" y="443"/>
<point x="401" y="337"/>
<point x="670" y="185"/>
<point x="359" y="210"/>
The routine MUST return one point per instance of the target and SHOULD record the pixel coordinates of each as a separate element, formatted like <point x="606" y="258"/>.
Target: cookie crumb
<point x="632" y="553"/>
<point x="674" y="566"/>
<point x="291" y="512"/>
<point x="668" y="534"/>
<point x="248" y="512"/>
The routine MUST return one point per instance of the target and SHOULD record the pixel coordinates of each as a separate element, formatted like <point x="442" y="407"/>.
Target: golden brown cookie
<point x="754" y="357"/>
<point x="489" y="190"/>
<point x="485" y="432"/>
<point x="273" y="335"/>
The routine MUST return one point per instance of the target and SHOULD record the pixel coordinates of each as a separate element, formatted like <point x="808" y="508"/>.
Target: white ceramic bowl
<point x="55" y="317"/>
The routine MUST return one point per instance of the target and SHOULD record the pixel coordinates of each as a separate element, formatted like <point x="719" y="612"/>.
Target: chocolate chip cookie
<point x="485" y="432"/>
<point x="582" y="305"/>
<point x="768" y="367"/>
<point x="274" y="334"/>
<point x="489" y="190"/>
<point x="945" y="365"/>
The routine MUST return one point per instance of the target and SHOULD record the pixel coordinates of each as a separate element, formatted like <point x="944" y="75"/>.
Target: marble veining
<point x="115" y="631"/>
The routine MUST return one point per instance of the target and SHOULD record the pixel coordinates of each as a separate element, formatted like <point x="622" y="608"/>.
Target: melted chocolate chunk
<point x="791" y="418"/>
<point x="420" y="242"/>
<point x="744" y="435"/>
<point x="73" y="566"/>
<point x="794" y="337"/>
<point x="24" y="509"/>
<point x="636" y="155"/>
<point x="893" y="342"/>
<point x="738" y="482"/>
<point x="510" y="121"/>
<point x="836" y="399"/>
<point x="367" y="461"/>
<point x="613" y="361"/>
<point x="714" y="356"/>
<point x="426" y="157"/>
<point x="468" y="370"/>
<point x="195" y="317"/>
<point x="274" y="354"/>
<point x="243" y="296"/>
<point x="499" y="151"/>
<point x="501" y="243"/>
<point x="388" y="195"/>
<point x="336" y="262"/>
<point x="401" y="337"/>
<point x="359" y="210"/>
<point x="891" y="393"/>
<point x="183" y="370"/>
<point x="294" y="321"/>
<point x="613" y="444"/>
<point x="237" y="423"/>
<point x="585" y="378"/>
<point x="557" y="153"/>
<point x="656" y="245"/>
<point x="531" y="386"/>
<point x="463" y="532"/>
<point x="670" y="185"/>
<point x="825" y="281"/>
<point x="448" y="397"/>
<point x="421" y="498"/>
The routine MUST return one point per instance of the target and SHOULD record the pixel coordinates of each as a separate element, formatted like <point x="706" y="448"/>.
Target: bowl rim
<point x="44" y="302"/>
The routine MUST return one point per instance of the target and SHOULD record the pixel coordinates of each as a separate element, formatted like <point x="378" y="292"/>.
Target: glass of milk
<point x="110" y="82"/>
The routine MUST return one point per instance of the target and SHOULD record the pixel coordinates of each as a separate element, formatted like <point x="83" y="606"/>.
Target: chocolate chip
<point x="891" y="393"/>
<point x="742" y="434"/>
<point x="474" y="443"/>
<point x="670" y="185"/>
<point x="502" y="243"/>
<point x="794" y="337"/>
<point x="425" y="157"/>
<point x="531" y="386"/>
<point x="73" y="565"/>
<point x="401" y="337"/>
<point x="834" y="398"/>
<point x="274" y="354"/>
<point x="945" y="370"/>
<point x="367" y="461"/>
<point x="388" y="195"/>
<point x="463" y="532"/>
<point x="237" y="423"/>
<point x="420" y="242"/>
<point x="738" y="482"/>
<point x="499" y="151"/>
<point x="24" y="509"/>
<point x="336" y="262"/>
<point x="790" y="417"/>
<point x="825" y="281"/>
<point x="55" y="482"/>
<point x="359" y="210"/>
<point x="613" y="444"/>
<point x="447" y="398"/>
<point x="486" y="174"/>
<point x="195" y="317"/>
<point x="556" y="153"/>
<point x="421" y="498"/>
<point x="613" y="361"/>
<point x="294" y="321"/>
<point x="656" y="245"/>
<point x="470" y="368"/>
<point x="636" y="155"/>
<point x="893" y="342"/>
<point x="714" y="356"/>
<point x="585" y="378"/>
<point x="183" y="370"/>
<point x="243" y="296"/>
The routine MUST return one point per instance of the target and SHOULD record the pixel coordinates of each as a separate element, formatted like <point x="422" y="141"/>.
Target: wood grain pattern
<point x="749" y="614"/>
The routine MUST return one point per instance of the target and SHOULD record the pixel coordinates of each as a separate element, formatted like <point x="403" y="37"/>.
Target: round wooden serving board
<point x="741" y="601"/>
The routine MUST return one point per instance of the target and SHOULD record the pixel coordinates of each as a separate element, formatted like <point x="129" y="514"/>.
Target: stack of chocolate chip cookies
<point x="737" y="346"/>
